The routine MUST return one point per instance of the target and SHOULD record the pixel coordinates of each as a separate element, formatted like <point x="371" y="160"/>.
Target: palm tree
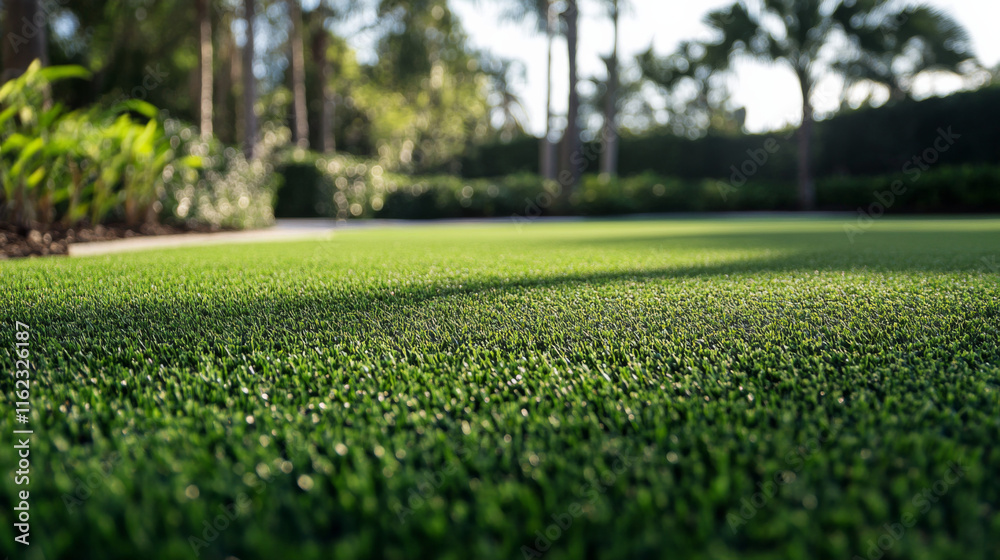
<point x="544" y="14"/>
<point x="319" y="19"/>
<point x="320" y="42"/>
<point x="205" y="75"/>
<point x="629" y="98"/>
<point x="502" y="73"/>
<point x="609" y="159"/>
<point x="573" y="161"/>
<point x="698" y="101"/>
<point x="548" y="167"/>
<point x="249" y="82"/>
<point x="23" y="41"/>
<point x="892" y="45"/>
<point x="882" y="34"/>
<point x="790" y="32"/>
<point x="298" y="67"/>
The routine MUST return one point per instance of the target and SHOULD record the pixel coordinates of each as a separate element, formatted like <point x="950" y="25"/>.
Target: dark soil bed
<point x="24" y="242"/>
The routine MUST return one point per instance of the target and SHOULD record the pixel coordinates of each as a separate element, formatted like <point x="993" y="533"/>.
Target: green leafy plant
<point x="30" y="148"/>
<point x="83" y="165"/>
<point x="228" y="191"/>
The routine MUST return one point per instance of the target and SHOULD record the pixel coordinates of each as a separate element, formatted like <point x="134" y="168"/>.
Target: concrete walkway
<point x="283" y="230"/>
<point x="279" y="232"/>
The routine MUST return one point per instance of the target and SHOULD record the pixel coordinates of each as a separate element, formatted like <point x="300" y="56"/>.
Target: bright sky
<point x="770" y="94"/>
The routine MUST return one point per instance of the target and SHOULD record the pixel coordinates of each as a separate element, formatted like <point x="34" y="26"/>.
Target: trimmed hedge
<point x="867" y="141"/>
<point x="346" y="188"/>
<point x="958" y="189"/>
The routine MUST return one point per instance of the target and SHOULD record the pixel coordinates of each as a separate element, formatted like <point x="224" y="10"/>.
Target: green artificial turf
<point x="761" y="388"/>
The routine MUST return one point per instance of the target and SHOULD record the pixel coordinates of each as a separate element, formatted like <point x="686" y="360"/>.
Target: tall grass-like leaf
<point x="26" y="154"/>
<point x="137" y="106"/>
<point x="6" y="115"/>
<point x="36" y="177"/>
<point x="56" y="73"/>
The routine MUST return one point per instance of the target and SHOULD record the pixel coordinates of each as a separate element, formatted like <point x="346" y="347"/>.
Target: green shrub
<point x="339" y="186"/>
<point x="649" y="193"/>
<point x="444" y="196"/>
<point x="229" y="192"/>
<point x="58" y="166"/>
<point x="345" y="187"/>
<point x="963" y="188"/>
<point x="121" y="163"/>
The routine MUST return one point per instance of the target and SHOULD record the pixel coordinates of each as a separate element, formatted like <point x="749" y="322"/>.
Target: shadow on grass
<point x="181" y="328"/>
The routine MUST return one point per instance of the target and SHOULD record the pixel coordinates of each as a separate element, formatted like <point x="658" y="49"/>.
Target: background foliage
<point x="866" y="141"/>
<point x="431" y="113"/>
<point x="346" y="188"/>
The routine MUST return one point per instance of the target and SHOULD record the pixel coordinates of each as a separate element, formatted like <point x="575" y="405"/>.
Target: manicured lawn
<point x="688" y="389"/>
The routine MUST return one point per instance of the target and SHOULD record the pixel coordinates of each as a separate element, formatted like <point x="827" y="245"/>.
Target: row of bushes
<point x="124" y="163"/>
<point x="346" y="187"/>
<point x="867" y="141"/>
<point x="229" y="191"/>
<point x="342" y="187"/>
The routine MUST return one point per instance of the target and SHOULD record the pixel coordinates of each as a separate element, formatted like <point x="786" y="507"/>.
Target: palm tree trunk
<point x="298" y="65"/>
<point x="223" y="86"/>
<point x="573" y="160"/>
<point x="609" y="159"/>
<point x="231" y="86"/>
<point x="236" y="78"/>
<point x="548" y="159"/>
<point x="249" y="83"/>
<point x="23" y="40"/>
<point x="206" y="75"/>
<point x="320" y="41"/>
<point x="806" y="186"/>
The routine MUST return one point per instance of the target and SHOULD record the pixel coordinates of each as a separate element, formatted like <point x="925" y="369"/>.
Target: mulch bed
<point x="24" y="242"/>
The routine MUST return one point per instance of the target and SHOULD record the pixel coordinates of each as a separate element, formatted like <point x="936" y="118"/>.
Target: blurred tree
<point x="227" y="82"/>
<point x="546" y="19"/>
<point x="334" y="69"/>
<point x="502" y="73"/>
<point x="24" y="36"/>
<point x="206" y="70"/>
<point x="333" y="76"/>
<point x="300" y="130"/>
<point x="574" y="161"/>
<point x="547" y="16"/>
<point x="791" y="32"/>
<point x="148" y="51"/>
<point x="894" y="44"/>
<point x="426" y="95"/>
<point x="319" y="45"/>
<point x="609" y="158"/>
<point x="631" y="104"/>
<point x="697" y="99"/>
<point x="888" y="43"/>
<point x="549" y="164"/>
<point x="249" y="81"/>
